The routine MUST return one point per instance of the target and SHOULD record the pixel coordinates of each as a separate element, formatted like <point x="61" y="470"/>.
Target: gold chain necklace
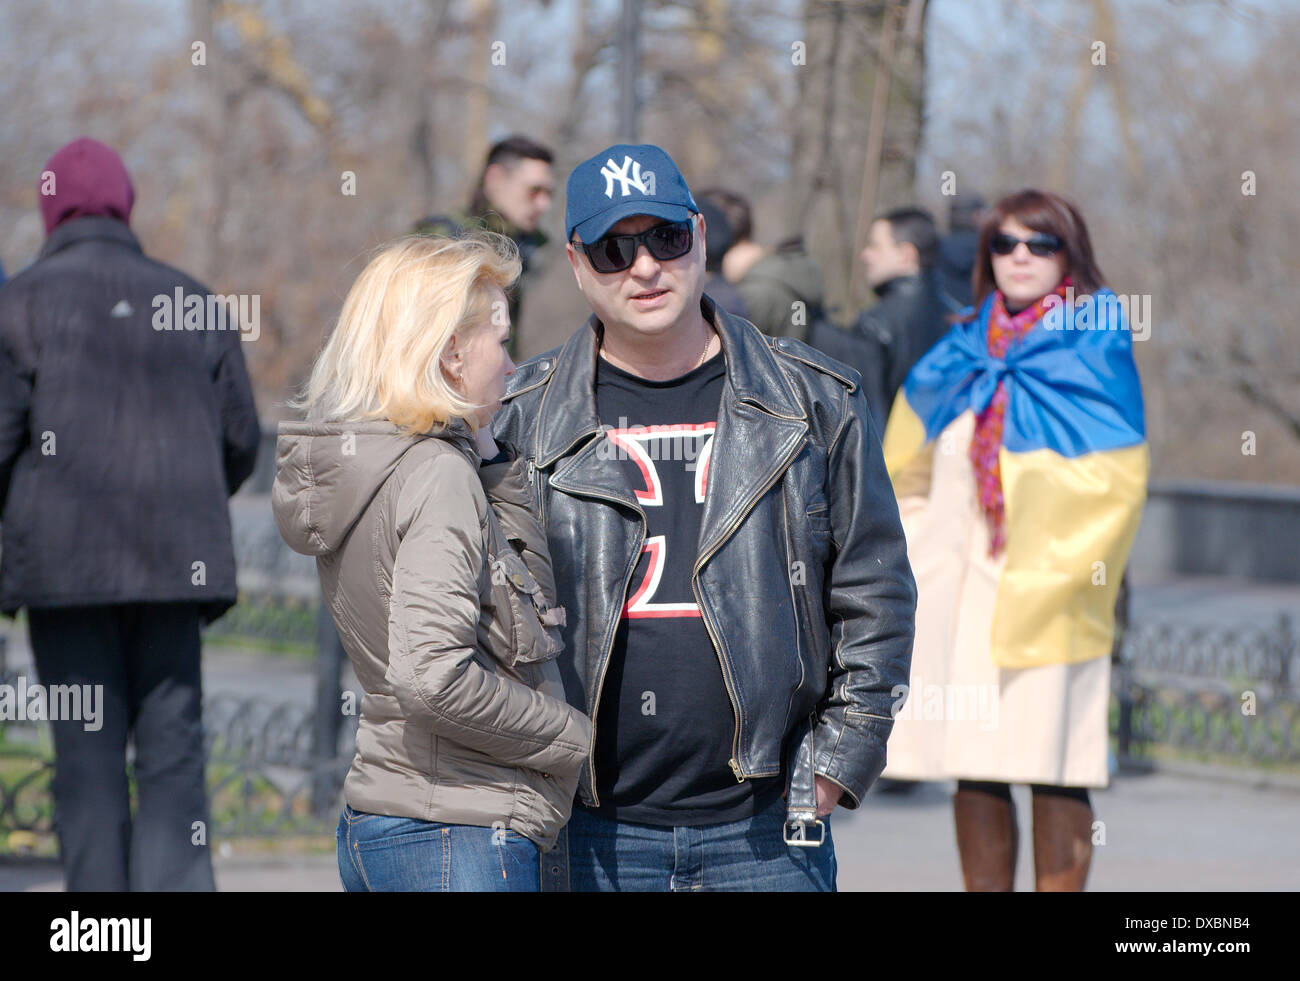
<point x="708" y="342"/>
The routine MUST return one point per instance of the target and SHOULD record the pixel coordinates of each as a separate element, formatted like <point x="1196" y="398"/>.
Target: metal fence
<point x="1228" y="694"/>
<point x="265" y="774"/>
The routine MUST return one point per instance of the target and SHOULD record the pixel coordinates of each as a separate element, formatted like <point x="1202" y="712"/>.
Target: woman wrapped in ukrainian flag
<point x="1018" y="453"/>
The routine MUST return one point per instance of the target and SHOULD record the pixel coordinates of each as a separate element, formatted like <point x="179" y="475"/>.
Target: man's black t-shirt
<point x="665" y="725"/>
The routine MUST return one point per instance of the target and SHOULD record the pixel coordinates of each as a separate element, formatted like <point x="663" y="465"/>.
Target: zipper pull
<point x="532" y="468"/>
<point x="735" y="768"/>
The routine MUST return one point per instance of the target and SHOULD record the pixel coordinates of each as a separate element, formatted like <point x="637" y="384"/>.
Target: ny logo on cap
<point x="643" y="181"/>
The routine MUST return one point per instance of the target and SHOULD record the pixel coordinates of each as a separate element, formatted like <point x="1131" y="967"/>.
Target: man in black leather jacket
<point x="738" y="626"/>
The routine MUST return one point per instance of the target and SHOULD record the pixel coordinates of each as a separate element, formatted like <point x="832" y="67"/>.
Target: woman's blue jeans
<point x="397" y="854"/>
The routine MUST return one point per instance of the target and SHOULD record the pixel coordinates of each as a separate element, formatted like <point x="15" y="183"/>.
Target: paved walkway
<point x="1163" y="832"/>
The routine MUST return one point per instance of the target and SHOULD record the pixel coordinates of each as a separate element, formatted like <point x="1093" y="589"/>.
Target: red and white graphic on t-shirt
<point x="634" y="441"/>
<point x="670" y="442"/>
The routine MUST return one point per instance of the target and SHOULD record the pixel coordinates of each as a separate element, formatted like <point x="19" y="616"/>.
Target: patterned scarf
<point x="1004" y="329"/>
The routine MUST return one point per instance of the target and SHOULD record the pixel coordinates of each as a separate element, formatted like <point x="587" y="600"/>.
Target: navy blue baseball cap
<point x="621" y="181"/>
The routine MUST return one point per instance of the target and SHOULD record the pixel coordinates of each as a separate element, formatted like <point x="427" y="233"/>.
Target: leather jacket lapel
<point x="591" y="473"/>
<point x="567" y="414"/>
<point x="761" y="428"/>
<point x="750" y="450"/>
<point x="567" y="417"/>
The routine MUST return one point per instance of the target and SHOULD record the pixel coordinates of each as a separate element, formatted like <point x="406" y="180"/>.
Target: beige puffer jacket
<point x="440" y="584"/>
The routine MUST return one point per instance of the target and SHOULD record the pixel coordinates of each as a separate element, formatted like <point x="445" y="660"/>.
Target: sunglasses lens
<point x="612" y="254"/>
<point x="1040" y="245"/>
<point x="670" y="241"/>
<point x="1003" y="244"/>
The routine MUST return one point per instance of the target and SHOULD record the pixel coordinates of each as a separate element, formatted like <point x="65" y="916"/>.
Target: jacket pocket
<point x="552" y="798"/>
<point x="807" y="542"/>
<point x="818" y="519"/>
<point x="535" y="624"/>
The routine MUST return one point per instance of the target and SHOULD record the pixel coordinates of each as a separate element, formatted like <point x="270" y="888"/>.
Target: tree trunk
<point x="832" y="178"/>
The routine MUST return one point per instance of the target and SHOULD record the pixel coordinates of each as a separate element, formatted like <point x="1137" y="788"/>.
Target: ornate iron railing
<point x="1214" y="725"/>
<point x="1246" y="652"/>
<point x="1222" y="693"/>
<point x="263" y="776"/>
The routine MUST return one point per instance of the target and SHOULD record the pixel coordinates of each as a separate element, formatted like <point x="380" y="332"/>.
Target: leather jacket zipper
<point x="726" y="680"/>
<point x="734" y="762"/>
<point x="609" y="652"/>
<point x="538" y="493"/>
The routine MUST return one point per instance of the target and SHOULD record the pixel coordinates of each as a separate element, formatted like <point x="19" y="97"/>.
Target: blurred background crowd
<point x="1169" y="121"/>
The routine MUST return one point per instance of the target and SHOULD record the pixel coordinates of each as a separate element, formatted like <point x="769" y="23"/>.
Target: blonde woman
<point x="437" y="576"/>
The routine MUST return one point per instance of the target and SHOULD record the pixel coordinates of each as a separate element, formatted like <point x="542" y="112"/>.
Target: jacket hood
<point x="89" y="178"/>
<point x="326" y="475"/>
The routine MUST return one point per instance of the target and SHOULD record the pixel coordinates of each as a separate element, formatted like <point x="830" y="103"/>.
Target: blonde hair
<point x="383" y="359"/>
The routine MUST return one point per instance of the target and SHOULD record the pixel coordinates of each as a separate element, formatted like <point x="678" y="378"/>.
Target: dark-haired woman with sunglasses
<point x="1018" y="531"/>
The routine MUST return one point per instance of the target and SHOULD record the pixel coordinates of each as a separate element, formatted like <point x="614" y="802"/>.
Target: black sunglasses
<point x="614" y="253"/>
<point x="1039" y="245"/>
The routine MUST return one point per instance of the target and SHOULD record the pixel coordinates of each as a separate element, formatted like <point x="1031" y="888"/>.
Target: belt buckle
<point x="800" y="837"/>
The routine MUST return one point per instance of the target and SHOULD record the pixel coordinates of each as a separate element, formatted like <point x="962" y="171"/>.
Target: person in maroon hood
<point x="122" y="434"/>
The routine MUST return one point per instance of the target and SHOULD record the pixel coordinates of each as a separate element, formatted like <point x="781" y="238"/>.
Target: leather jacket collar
<point x="761" y="428"/>
<point x="568" y="412"/>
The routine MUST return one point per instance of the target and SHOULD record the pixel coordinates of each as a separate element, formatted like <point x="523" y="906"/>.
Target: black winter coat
<point x="119" y="442"/>
<point x="906" y="322"/>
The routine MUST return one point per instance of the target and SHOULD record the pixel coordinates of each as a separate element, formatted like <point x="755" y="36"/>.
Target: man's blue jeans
<point x="396" y="854"/>
<point x="605" y="855"/>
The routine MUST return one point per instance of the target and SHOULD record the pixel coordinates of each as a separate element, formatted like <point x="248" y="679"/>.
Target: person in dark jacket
<point x="718" y="240"/>
<point x="512" y="196"/>
<point x="957" y="250"/>
<point x="908" y="318"/>
<point x="783" y="291"/>
<point x="781" y="288"/>
<point x="126" y="420"/>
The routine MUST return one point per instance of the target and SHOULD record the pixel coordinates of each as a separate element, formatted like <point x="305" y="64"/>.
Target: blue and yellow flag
<point x="1074" y="464"/>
